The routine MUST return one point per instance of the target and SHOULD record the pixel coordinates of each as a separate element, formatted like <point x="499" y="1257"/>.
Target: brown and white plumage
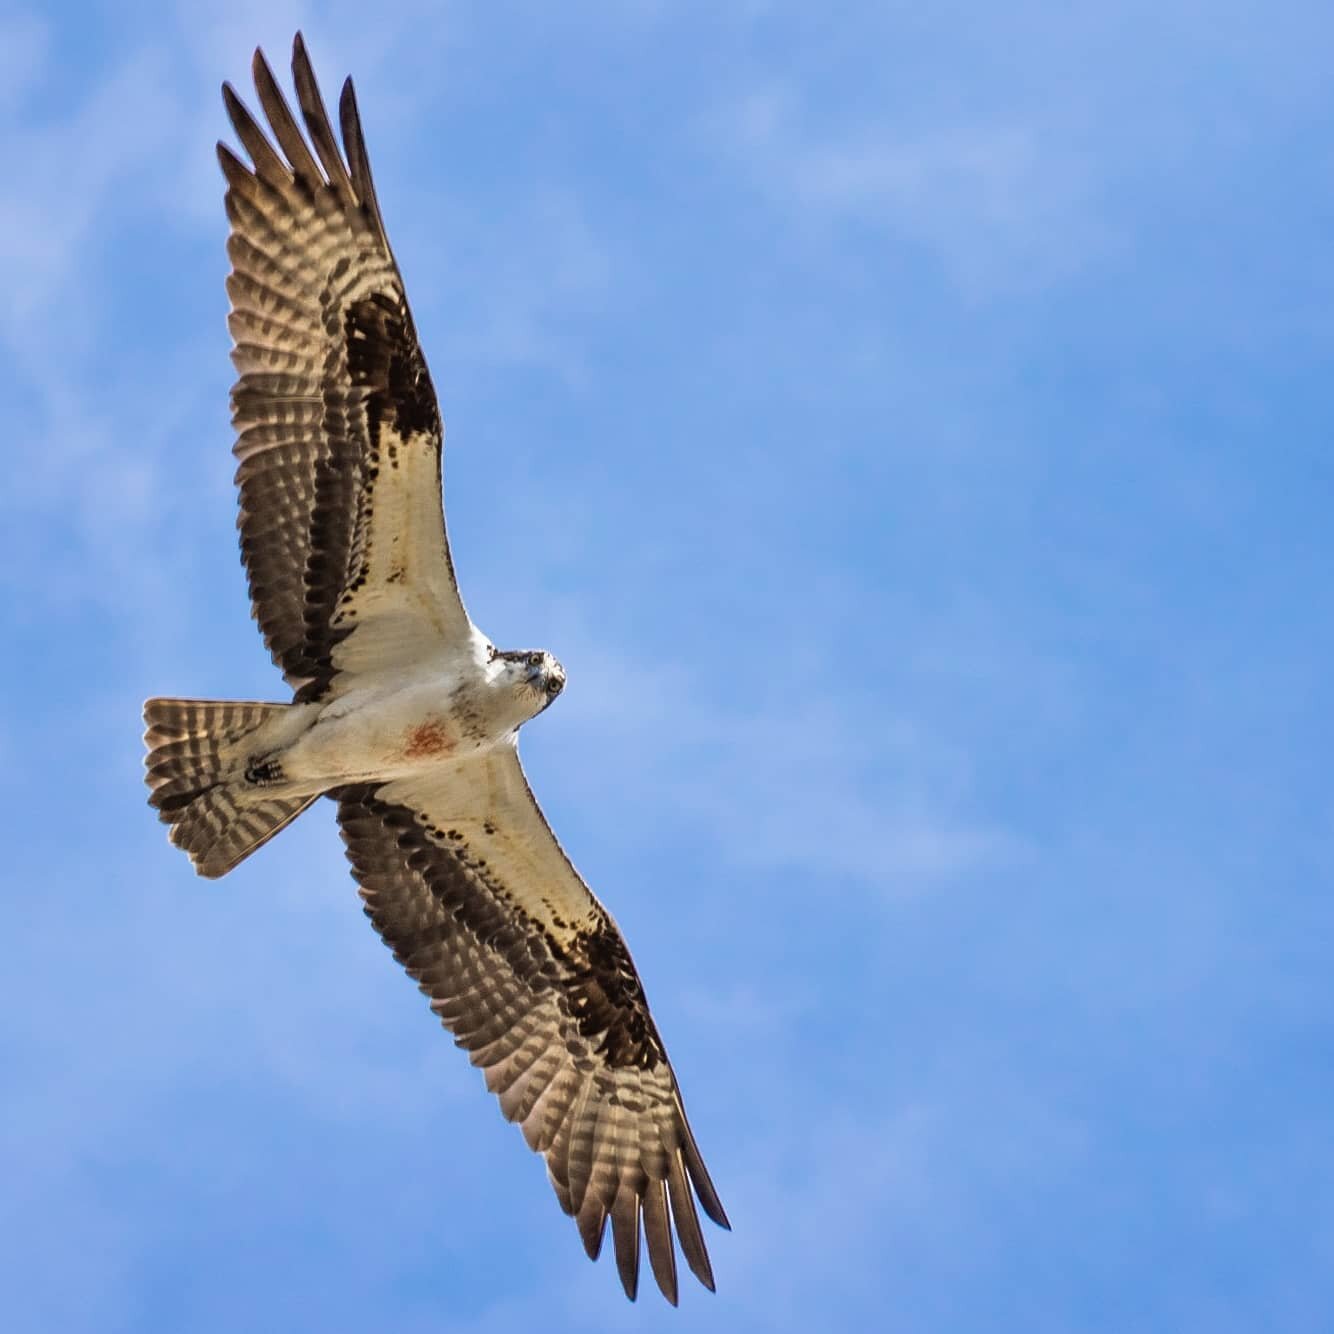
<point x="404" y="712"/>
<point x="530" y="974"/>
<point x="338" y="431"/>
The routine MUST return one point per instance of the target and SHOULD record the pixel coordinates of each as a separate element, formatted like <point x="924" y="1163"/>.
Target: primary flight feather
<point x="404" y="712"/>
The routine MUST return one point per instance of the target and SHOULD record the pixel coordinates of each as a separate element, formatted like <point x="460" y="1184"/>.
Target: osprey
<point x="404" y="712"/>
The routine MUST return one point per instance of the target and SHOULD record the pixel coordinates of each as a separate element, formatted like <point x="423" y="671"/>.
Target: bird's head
<point x="533" y="674"/>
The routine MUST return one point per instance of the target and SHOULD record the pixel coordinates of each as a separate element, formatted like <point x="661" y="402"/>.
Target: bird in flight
<point x="403" y="711"/>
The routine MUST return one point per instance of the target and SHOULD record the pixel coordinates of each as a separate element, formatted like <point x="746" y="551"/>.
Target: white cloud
<point x="65" y="171"/>
<point x="512" y="290"/>
<point x="792" y="780"/>
<point x="1002" y="205"/>
<point x="25" y="41"/>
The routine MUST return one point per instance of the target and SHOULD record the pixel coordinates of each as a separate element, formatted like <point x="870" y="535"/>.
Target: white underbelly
<point x="384" y="731"/>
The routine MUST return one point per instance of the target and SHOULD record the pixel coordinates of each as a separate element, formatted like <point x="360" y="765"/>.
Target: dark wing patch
<point x="327" y="354"/>
<point x="606" y="999"/>
<point x="384" y="359"/>
<point x="557" y="1020"/>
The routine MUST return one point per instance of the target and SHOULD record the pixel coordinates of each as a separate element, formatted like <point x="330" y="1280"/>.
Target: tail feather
<point x="196" y="772"/>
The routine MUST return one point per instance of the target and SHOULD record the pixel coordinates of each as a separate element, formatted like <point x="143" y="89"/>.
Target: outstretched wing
<point x="338" y="431"/>
<point x="465" y="881"/>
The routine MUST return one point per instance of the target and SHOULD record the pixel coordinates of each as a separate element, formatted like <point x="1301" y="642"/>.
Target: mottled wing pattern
<point x="338" y="431"/>
<point x="466" y="883"/>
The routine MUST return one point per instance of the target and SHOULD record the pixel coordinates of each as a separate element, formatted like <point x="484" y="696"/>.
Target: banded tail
<point x="198" y="750"/>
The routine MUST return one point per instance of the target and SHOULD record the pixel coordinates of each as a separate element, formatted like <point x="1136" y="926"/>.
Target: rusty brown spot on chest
<point x="426" y="739"/>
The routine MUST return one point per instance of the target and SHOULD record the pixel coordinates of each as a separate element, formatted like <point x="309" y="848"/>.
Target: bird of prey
<point x="403" y="711"/>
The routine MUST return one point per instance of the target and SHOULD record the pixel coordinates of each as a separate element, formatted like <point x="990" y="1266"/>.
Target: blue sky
<point x="911" y="430"/>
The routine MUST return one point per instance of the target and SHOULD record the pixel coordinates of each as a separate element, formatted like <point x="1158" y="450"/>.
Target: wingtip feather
<point x="315" y="115"/>
<point x="700" y="1179"/>
<point x="282" y="122"/>
<point x="658" y="1238"/>
<point x="625" y="1239"/>
<point x="592" y="1228"/>
<point x="687" y="1223"/>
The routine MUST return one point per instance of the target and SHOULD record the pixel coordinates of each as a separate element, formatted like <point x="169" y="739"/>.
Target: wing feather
<point x="625" y="1213"/>
<point x="465" y="882"/>
<point x="317" y="123"/>
<point x="283" y="123"/>
<point x="355" y="142"/>
<point x="338" y="430"/>
<point x="269" y="167"/>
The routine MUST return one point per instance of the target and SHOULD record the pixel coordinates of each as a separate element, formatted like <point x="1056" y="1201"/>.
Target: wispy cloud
<point x="66" y="169"/>
<point x="993" y="936"/>
<point x="508" y="291"/>
<point x="792" y="781"/>
<point x="1002" y="206"/>
<point x="25" y="40"/>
